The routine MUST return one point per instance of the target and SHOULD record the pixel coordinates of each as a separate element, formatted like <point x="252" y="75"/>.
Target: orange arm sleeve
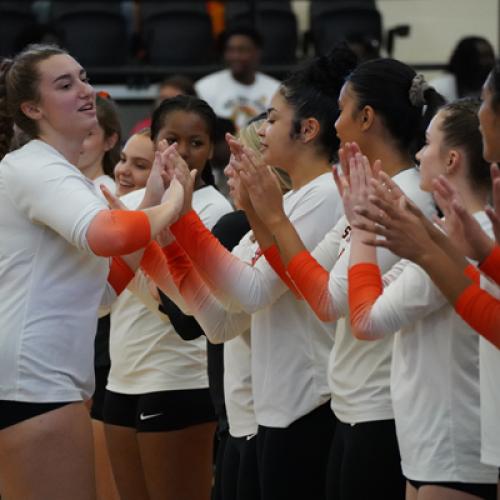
<point x="481" y="311"/>
<point x="179" y="264"/>
<point x="365" y="286"/>
<point x="491" y="265"/>
<point x="119" y="275"/>
<point x="472" y="273"/>
<point x="273" y="257"/>
<point x="118" y="232"/>
<point x="311" y="281"/>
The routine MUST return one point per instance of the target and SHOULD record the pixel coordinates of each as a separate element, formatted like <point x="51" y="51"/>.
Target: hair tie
<point x="417" y="90"/>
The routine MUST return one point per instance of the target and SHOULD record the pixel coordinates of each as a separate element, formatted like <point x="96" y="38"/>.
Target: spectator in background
<point x="470" y="63"/>
<point x="170" y="87"/>
<point x="239" y="92"/>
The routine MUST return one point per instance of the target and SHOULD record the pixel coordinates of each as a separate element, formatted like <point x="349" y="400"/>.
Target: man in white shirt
<point x="239" y="92"/>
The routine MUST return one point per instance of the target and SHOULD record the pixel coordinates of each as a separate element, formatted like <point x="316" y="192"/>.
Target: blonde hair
<point x="249" y="137"/>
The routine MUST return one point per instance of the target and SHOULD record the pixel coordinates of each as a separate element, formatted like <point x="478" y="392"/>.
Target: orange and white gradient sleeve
<point x="218" y="324"/>
<point x="491" y="265"/>
<point x="312" y="280"/>
<point x="272" y="255"/>
<point x="241" y="286"/>
<point x="118" y="232"/>
<point x="481" y="311"/>
<point x="119" y="275"/>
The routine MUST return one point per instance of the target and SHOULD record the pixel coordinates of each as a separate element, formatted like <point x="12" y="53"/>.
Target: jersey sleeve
<point x="481" y="311"/>
<point x="218" y="324"/>
<point x="491" y="265"/>
<point x="56" y="196"/>
<point x="376" y="311"/>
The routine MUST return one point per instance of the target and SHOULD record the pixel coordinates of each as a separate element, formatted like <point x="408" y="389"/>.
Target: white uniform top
<point x="489" y="369"/>
<point x="231" y="99"/>
<point x="51" y="282"/>
<point x="434" y="378"/>
<point x="359" y="371"/>
<point x="290" y="346"/>
<point x="147" y="355"/>
<point x="107" y="181"/>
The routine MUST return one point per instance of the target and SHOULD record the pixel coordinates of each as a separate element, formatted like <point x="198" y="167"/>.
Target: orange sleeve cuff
<point x="118" y="232"/>
<point x="491" y="265"/>
<point x="472" y="273"/>
<point x="119" y="275"/>
<point x="481" y="311"/>
<point x="365" y="286"/>
<point x="273" y="257"/>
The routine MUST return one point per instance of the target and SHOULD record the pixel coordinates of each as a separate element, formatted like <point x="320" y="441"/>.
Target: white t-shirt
<point x="289" y="345"/>
<point x="434" y="378"/>
<point x="359" y="371"/>
<point x="489" y="369"/>
<point x="51" y="282"/>
<point x="231" y="99"/>
<point x="147" y="355"/>
<point x="107" y="181"/>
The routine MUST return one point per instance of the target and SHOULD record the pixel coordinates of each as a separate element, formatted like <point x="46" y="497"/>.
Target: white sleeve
<point x="327" y="250"/>
<point x="407" y="299"/>
<point x="252" y="288"/>
<point x="57" y="196"/>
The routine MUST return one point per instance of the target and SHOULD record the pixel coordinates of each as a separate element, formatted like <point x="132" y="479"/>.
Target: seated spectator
<point x="239" y="92"/>
<point x="471" y="61"/>
<point x="170" y="87"/>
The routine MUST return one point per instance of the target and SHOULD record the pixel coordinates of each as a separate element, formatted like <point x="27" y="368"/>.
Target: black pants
<point x="292" y="461"/>
<point x="364" y="462"/>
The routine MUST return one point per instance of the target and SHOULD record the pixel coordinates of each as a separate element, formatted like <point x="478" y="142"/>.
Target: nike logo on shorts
<point x="147" y="417"/>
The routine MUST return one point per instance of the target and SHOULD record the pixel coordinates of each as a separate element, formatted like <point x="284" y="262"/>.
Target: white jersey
<point x="147" y="355"/>
<point x="51" y="282"/>
<point x="234" y="100"/>
<point x="434" y="378"/>
<point x="359" y="371"/>
<point x="489" y="368"/>
<point x="289" y="345"/>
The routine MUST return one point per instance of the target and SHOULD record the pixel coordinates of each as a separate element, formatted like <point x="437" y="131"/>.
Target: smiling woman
<point x="55" y="231"/>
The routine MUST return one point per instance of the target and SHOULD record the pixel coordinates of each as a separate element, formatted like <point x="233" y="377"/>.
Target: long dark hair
<point x="313" y="91"/>
<point x="384" y="85"/>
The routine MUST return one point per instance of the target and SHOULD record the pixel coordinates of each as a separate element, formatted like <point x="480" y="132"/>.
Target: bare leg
<point x="49" y="456"/>
<point x="126" y="462"/>
<point x="411" y="492"/>
<point x="440" y="493"/>
<point x="178" y="464"/>
<point x="105" y="480"/>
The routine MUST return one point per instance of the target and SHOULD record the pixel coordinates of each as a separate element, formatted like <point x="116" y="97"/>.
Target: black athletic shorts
<point x="101" y="379"/>
<point x="15" y="412"/>
<point x="481" y="490"/>
<point x="159" y="411"/>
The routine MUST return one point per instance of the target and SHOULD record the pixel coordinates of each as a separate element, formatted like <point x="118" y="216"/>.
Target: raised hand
<point x="158" y="179"/>
<point x="461" y="227"/>
<point x="237" y="189"/>
<point x="174" y="196"/>
<point x="401" y="227"/>
<point x="235" y="146"/>
<point x="113" y="201"/>
<point x="263" y="188"/>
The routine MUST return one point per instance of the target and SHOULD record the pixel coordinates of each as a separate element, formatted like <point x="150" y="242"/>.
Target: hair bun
<point x="417" y="90"/>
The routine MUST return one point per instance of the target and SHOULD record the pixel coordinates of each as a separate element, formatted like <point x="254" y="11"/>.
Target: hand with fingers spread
<point x="263" y="188"/>
<point x="235" y="145"/>
<point x="463" y="230"/>
<point x="398" y="221"/>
